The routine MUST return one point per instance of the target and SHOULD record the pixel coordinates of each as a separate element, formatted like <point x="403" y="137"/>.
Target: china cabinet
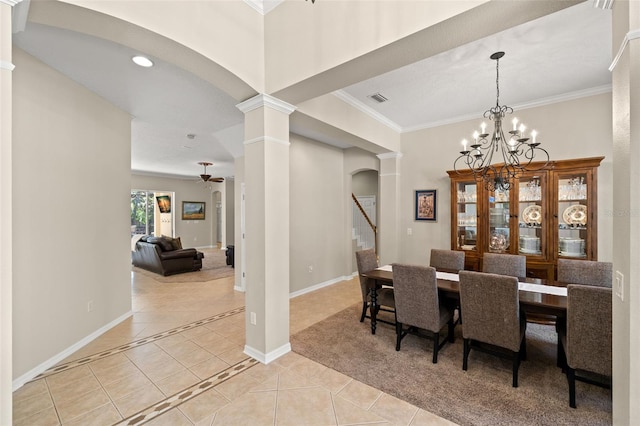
<point x="545" y="215"/>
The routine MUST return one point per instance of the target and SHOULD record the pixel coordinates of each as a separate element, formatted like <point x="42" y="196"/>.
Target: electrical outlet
<point x="409" y="231"/>
<point x="620" y="285"/>
<point x="90" y="306"/>
<point x="253" y="318"/>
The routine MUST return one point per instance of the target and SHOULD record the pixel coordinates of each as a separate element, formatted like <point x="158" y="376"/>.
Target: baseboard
<point x="321" y="285"/>
<point x="29" y="375"/>
<point x="271" y="356"/>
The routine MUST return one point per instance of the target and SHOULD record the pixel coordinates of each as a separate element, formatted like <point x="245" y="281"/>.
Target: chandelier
<point x="516" y="153"/>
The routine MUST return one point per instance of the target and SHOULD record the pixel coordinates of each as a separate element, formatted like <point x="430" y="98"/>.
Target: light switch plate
<point x="620" y="285"/>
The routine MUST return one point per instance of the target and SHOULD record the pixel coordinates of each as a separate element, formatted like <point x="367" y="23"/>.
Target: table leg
<point x="374" y="307"/>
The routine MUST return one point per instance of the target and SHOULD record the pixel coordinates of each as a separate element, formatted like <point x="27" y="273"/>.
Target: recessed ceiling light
<point x="143" y="61"/>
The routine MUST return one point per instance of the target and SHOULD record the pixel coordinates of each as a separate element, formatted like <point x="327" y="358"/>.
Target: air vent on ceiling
<point x="378" y="97"/>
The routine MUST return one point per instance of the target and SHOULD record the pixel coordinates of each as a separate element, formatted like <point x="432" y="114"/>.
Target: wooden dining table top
<point x="531" y="301"/>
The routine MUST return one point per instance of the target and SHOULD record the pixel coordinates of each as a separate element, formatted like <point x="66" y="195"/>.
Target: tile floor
<point x="179" y="361"/>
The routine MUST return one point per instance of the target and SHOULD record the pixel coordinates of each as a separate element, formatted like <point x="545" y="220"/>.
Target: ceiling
<point x="563" y="55"/>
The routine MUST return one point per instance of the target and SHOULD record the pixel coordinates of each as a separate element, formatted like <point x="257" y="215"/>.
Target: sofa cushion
<point x="175" y="242"/>
<point x="164" y="244"/>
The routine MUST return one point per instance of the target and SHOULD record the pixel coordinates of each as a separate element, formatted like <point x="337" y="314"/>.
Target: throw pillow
<point x="164" y="244"/>
<point x="175" y="242"/>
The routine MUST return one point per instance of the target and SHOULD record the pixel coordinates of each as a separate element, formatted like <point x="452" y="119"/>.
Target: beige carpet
<point x="482" y="395"/>
<point x="214" y="266"/>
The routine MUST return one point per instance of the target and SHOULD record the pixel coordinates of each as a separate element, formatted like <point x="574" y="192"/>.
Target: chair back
<point x="512" y="265"/>
<point x="589" y="328"/>
<point x="447" y="259"/>
<point x="587" y="272"/>
<point x="366" y="261"/>
<point x="490" y="306"/>
<point x="415" y="289"/>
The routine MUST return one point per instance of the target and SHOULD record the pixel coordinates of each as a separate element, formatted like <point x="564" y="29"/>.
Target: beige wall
<point x="574" y="129"/>
<point x="365" y="183"/>
<point x="192" y="233"/>
<point x="71" y="161"/>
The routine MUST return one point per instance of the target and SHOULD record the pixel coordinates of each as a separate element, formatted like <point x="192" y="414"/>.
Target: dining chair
<point x="418" y="306"/>
<point x="504" y="264"/>
<point x="586" y="342"/>
<point x="367" y="260"/>
<point x="451" y="260"/>
<point x="587" y="272"/>
<point x="493" y="321"/>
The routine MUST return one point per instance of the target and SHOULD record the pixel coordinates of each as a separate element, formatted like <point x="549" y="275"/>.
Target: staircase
<point x="363" y="231"/>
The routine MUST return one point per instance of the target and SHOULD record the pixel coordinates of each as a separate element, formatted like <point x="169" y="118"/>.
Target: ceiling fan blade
<point x="216" y="179"/>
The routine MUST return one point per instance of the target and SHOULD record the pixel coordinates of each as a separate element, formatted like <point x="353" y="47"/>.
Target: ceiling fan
<point x="207" y="178"/>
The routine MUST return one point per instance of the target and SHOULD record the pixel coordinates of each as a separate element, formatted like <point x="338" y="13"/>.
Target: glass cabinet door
<point x="467" y="216"/>
<point x="499" y="219"/>
<point x="573" y="194"/>
<point x="531" y="215"/>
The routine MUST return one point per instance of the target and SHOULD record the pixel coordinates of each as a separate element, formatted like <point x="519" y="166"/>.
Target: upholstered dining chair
<point x="492" y="316"/>
<point x="368" y="261"/>
<point x="451" y="260"/>
<point x="504" y="264"/>
<point x="587" y="272"/>
<point x="586" y="342"/>
<point x="418" y="305"/>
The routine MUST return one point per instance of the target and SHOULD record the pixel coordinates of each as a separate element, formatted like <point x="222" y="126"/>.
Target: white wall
<point x="71" y="161"/>
<point x="574" y="129"/>
<point x="365" y="183"/>
<point x="316" y="213"/>
<point x="192" y="233"/>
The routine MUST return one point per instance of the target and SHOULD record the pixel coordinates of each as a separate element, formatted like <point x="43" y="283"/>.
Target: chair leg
<point x="562" y="357"/>
<point x="436" y="346"/>
<point x="364" y="311"/>
<point x="451" y="328"/>
<point x="516" y="365"/>
<point x="523" y="349"/>
<point x="571" y="378"/>
<point x="398" y="335"/>
<point x="465" y="353"/>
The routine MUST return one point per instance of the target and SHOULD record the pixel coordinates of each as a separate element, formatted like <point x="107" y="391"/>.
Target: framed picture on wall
<point x="193" y="210"/>
<point x="426" y="205"/>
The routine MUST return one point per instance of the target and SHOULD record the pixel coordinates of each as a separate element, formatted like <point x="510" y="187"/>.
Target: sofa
<point x="165" y="256"/>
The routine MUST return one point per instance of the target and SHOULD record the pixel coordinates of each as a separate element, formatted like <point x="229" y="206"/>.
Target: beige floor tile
<point x="116" y="373"/>
<point x="177" y="382"/>
<point x="109" y="362"/>
<point x="393" y="409"/>
<point x="193" y="357"/>
<point x="221" y="346"/>
<point x="291" y="380"/>
<point x="262" y="372"/>
<point x="169" y="341"/>
<point x="127" y="385"/>
<point x="360" y="394"/>
<point x="425" y="418"/>
<point x="287" y="360"/>
<point x="332" y="380"/>
<point x="233" y="355"/>
<point x="308" y="368"/>
<point x="170" y="418"/>
<point x="251" y="409"/>
<point x="208" y="338"/>
<point x="309" y="406"/>
<point x="30" y="389"/>
<point x="46" y="417"/>
<point x="348" y="413"/>
<point x="24" y="407"/>
<point x="62" y="379"/>
<point x="203" y="406"/>
<point x="103" y="415"/>
<point x="75" y="389"/>
<point x="270" y="384"/>
<point x="70" y="410"/>
<point x="194" y="332"/>
<point x="236" y="386"/>
<point x="143" y="352"/>
<point x="144" y="397"/>
<point x="208" y="367"/>
<point x="162" y="369"/>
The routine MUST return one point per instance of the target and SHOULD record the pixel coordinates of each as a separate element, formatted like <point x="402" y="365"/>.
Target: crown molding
<point x="538" y="103"/>
<point x="10" y="2"/>
<point x="264" y="100"/>
<point x="367" y="110"/>
<point x="263" y="6"/>
<point x="631" y="35"/>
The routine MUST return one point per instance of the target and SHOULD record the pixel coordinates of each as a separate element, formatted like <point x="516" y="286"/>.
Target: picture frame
<point x="193" y="210"/>
<point x="164" y="203"/>
<point x="426" y="205"/>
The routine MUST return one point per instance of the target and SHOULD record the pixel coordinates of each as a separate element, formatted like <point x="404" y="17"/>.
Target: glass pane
<point x="467" y="212"/>
<point x="142" y="213"/>
<point x="530" y="216"/>
<point x="572" y="215"/>
<point x="499" y="221"/>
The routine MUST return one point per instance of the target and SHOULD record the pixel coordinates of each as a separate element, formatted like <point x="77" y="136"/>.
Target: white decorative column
<point x="626" y="210"/>
<point x="389" y="204"/>
<point x="266" y="178"/>
<point x="6" y="222"/>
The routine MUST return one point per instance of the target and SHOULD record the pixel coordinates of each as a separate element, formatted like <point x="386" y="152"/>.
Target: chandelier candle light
<point x="517" y="153"/>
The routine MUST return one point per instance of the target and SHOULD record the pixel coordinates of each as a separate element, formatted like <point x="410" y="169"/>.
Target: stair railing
<point x="364" y="229"/>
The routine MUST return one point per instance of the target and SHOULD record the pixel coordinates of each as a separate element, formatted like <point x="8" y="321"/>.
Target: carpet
<point x="482" y="395"/>
<point x="214" y="266"/>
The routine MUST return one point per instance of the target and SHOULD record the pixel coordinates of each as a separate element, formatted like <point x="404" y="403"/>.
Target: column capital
<point x="264" y="100"/>
<point x="5" y="65"/>
<point x="10" y="2"/>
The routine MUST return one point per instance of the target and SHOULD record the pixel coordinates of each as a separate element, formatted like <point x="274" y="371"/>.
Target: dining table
<point x="537" y="296"/>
